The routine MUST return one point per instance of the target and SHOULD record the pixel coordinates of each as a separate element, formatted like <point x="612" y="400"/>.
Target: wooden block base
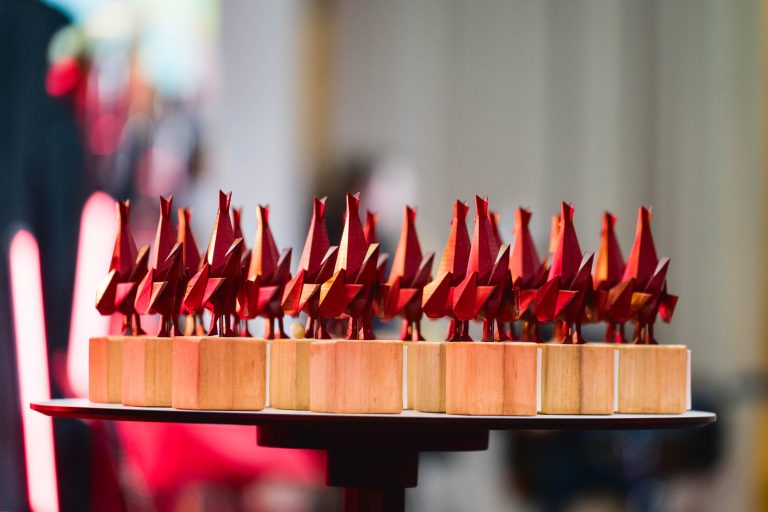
<point x="289" y="374"/>
<point x="219" y="373"/>
<point x="356" y="377"/>
<point x="494" y="379"/>
<point x="426" y="376"/>
<point x="147" y="364"/>
<point x="577" y="379"/>
<point x="105" y="369"/>
<point x="652" y="379"/>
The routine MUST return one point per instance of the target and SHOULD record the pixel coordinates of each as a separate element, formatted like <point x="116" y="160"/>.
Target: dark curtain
<point x="42" y="187"/>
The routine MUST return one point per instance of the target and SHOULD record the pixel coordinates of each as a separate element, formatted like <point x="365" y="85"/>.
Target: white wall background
<point x="608" y="104"/>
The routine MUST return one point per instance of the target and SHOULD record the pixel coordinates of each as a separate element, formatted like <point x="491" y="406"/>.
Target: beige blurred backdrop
<point x="608" y="104"/>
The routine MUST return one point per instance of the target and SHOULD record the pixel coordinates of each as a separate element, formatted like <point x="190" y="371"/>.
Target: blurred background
<point x="606" y="104"/>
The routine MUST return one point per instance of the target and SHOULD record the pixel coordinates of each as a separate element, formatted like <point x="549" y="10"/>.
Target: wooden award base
<point x="652" y="379"/>
<point x="489" y="378"/>
<point x="289" y="374"/>
<point x="105" y="369"/>
<point x="350" y="376"/>
<point x="577" y="379"/>
<point x="426" y="376"/>
<point x="147" y="363"/>
<point x="219" y="373"/>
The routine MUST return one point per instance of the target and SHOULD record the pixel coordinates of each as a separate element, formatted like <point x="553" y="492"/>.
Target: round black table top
<point x="410" y="420"/>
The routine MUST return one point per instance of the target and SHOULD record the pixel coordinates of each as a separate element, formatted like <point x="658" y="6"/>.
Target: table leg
<point x="358" y="499"/>
<point x="374" y="466"/>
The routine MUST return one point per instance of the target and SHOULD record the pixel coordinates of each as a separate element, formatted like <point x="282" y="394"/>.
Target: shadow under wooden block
<point x="577" y="379"/>
<point x="426" y="376"/>
<point x="489" y="378"/>
<point x="219" y="373"/>
<point x="350" y="376"/>
<point x="147" y="364"/>
<point x="289" y="374"/>
<point x="105" y="369"/>
<point x="652" y="379"/>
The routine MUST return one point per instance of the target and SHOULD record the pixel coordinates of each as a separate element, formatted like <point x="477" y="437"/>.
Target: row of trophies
<point x="510" y="289"/>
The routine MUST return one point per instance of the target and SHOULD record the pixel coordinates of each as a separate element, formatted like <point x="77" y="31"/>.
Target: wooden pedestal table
<point x="373" y="456"/>
<point x="289" y="374"/>
<point x="147" y="370"/>
<point x="652" y="379"/>
<point x="105" y="369"/>
<point x="219" y="373"/>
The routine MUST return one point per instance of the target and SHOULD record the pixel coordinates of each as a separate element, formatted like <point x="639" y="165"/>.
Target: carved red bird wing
<point x="309" y="292"/>
<point x="292" y="293"/>
<point x="526" y="300"/>
<point x="283" y="269"/>
<point x="618" y="304"/>
<point x="639" y="301"/>
<point x="656" y="282"/>
<point x="265" y="296"/>
<point x="582" y="281"/>
<point x="468" y="297"/>
<point x="335" y="295"/>
<point x="232" y="267"/>
<point x="247" y="299"/>
<point x="424" y="273"/>
<point x="142" y="264"/>
<point x="125" y="296"/>
<point x="161" y="301"/>
<point x="545" y="301"/>
<point x="106" y="294"/>
<point x="327" y="265"/>
<point x="200" y="288"/>
<point x="667" y="306"/>
<point x="369" y="272"/>
<point x="144" y="293"/>
<point x="435" y="298"/>
<point x="565" y="303"/>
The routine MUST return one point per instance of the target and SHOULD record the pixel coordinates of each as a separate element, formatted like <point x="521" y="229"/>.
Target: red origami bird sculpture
<point x="410" y="273"/>
<point x="318" y="259"/>
<point x="191" y="264"/>
<point x="354" y="285"/>
<point x="216" y="284"/>
<point x="267" y="274"/>
<point x="528" y="273"/>
<point x="563" y="297"/>
<point x="117" y="292"/>
<point x="649" y="273"/>
<point x="489" y="262"/>
<point x="456" y="292"/>
<point x="161" y="290"/>
<point x="612" y="298"/>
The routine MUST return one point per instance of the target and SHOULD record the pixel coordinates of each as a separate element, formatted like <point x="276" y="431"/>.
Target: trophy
<point x="577" y="377"/>
<point x="493" y="376"/>
<point x="116" y="295"/>
<point x="652" y="378"/>
<point x="359" y="374"/>
<point x="404" y="289"/>
<point x="222" y="369"/>
<point x="147" y="360"/>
